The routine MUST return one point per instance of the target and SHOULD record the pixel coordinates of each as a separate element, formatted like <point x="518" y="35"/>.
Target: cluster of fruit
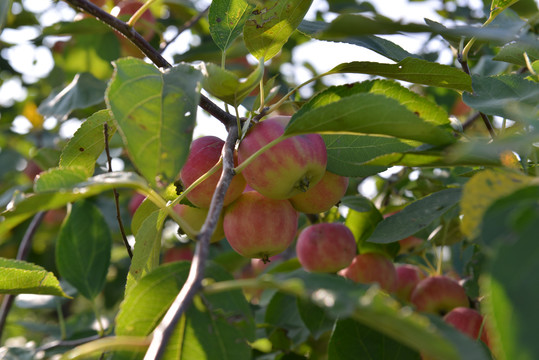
<point x="260" y="219"/>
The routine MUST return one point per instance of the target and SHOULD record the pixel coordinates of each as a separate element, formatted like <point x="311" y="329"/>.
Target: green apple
<point x="195" y="217"/>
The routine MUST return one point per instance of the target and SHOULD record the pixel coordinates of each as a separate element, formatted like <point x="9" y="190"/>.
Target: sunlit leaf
<point x="88" y="142"/>
<point x="83" y="249"/>
<point x="59" y="178"/>
<point x="155" y="112"/>
<point x="227" y="18"/>
<point x="271" y="24"/>
<point x="19" y="277"/>
<point x="5" y="8"/>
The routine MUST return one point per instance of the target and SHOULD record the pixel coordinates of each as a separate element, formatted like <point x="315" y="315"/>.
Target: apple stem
<point x="134" y="18"/>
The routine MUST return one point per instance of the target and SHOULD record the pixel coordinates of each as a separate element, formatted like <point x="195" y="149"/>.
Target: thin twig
<point x="22" y="254"/>
<point x="485" y="118"/>
<point x="469" y="121"/>
<point x="116" y="195"/>
<point x="68" y="343"/>
<point x="152" y="54"/>
<point x="193" y="284"/>
<point x="187" y="25"/>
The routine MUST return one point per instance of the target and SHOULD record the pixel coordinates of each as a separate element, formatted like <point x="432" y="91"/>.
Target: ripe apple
<point x="195" y="217"/>
<point x="259" y="227"/>
<point x="178" y="253"/>
<point x="134" y="203"/>
<point x="32" y="170"/>
<point x="322" y="196"/>
<point x="372" y="268"/>
<point x="469" y="322"/>
<point x="438" y="294"/>
<point x="326" y="247"/>
<point x="410" y="244"/>
<point x="286" y="169"/>
<point x="204" y="153"/>
<point x="407" y="278"/>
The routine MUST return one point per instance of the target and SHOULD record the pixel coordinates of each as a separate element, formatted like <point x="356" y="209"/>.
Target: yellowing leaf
<point x="30" y="112"/>
<point x="481" y="191"/>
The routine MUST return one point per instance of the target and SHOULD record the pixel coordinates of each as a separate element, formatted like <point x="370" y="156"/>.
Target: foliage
<point x="459" y="137"/>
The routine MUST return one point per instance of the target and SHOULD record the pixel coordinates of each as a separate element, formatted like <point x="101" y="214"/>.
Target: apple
<point x="469" y="322"/>
<point x="32" y="170"/>
<point x="410" y="244"/>
<point x="372" y="268"/>
<point x="145" y="26"/>
<point x="179" y="253"/>
<point x="325" y="247"/>
<point x="204" y="153"/>
<point x="259" y="227"/>
<point x="438" y="294"/>
<point x="286" y="169"/>
<point x="322" y="196"/>
<point x="407" y="278"/>
<point x="135" y="202"/>
<point x="195" y="217"/>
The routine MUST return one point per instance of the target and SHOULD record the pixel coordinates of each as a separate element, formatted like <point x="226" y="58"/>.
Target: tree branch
<point x="132" y="35"/>
<point x="193" y="284"/>
<point x="187" y="25"/>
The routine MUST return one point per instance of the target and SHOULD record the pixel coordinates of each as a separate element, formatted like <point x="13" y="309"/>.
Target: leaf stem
<point x="291" y="92"/>
<point x="134" y="18"/>
<point x="260" y="151"/>
<point x="129" y="343"/>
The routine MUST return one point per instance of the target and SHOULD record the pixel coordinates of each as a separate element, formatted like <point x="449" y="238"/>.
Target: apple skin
<point x="469" y="322"/>
<point x="259" y="227"/>
<point x="322" y="196"/>
<point x="438" y="295"/>
<point x="145" y="26"/>
<point x="325" y="247"/>
<point x="195" y="217"/>
<point x="408" y="276"/>
<point x="134" y="203"/>
<point x="181" y="253"/>
<point x="370" y="268"/>
<point x="204" y="153"/>
<point x="286" y="169"/>
<point x="410" y="245"/>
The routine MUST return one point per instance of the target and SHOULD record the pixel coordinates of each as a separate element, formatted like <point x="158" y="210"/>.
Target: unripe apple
<point x="372" y="268"/>
<point x="286" y="169"/>
<point x="326" y="247"/>
<point x="195" y="217"/>
<point x="469" y="322"/>
<point x="322" y="196"/>
<point x="204" y="153"/>
<point x="259" y="227"/>
<point x="408" y="276"/>
<point x="438" y="295"/>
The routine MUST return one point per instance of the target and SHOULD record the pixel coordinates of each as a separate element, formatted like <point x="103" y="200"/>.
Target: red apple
<point x="372" y="268"/>
<point x="195" y="217"/>
<point x="410" y="244"/>
<point x="469" y="322"/>
<point x="180" y="253"/>
<point x="135" y="202"/>
<point x="407" y="278"/>
<point x="286" y="169"/>
<point x="326" y="247"/>
<point x="203" y="155"/>
<point x="439" y="295"/>
<point x="32" y="170"/>
<point x="322" y="196"/>
<point x="259" y="227"/>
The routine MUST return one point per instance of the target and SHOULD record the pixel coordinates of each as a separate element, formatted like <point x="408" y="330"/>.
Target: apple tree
<point x="381" y="209"/>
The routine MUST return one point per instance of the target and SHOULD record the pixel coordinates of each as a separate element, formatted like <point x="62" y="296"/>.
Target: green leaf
<point x="145" y="209"/>
<point x="155" y="112"/>
<point x="5" y="8"/>
<point x="227" y="18"/>
<point x="314" y="318"/>
<point x="147" y="248"/>
<point x="514" y="53"/>
<point x="83" y="91"/>
<point x="88" y="142"/>
<point x="499" y="5"/>
<point x="351" y="340"/>
<point x="83" y="249"/>
<point x="226" y="85"/>
<point x="354" y="25"/>
<point x="413" y="70"/>
<point x="416" y="216"/>
<point x="19" y="277"/>
<point x="347" y="154"/>
<point x="509" y="281"/>
<point x="227" y="316"/>
<point x="271" y="24"/>
<point x="24" y="206"/>
<point x="377" y="44"/>
<point x="373" y="107"/>
<point x="284" y="321"/>
<point x="508" y="96"/>
<point x="58" y="178"/>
